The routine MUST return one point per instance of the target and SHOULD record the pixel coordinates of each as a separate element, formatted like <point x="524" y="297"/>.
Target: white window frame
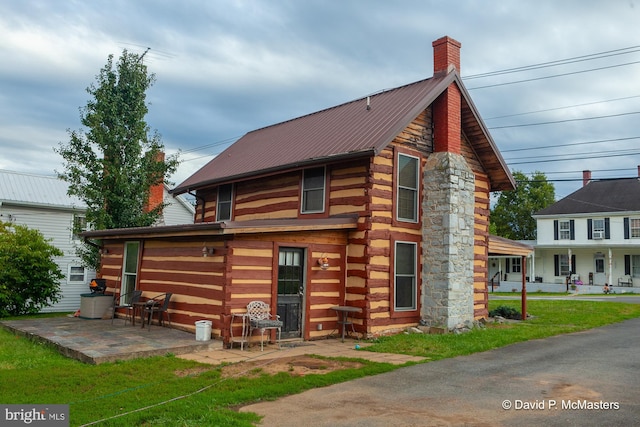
<point x="414" y="190"/>
<point x="634" y="228"/>
<point x="414" y="285"/>
<point x="563" y="265"/>
<point x="82" y="218"/>
<point x="564" y="229"/>
<point x="307" y="189"/>
<point x="516" y="265"/>
<point x="635" y="265"/>
<point x="220" y="202"/>
<point x="70" y="274"/>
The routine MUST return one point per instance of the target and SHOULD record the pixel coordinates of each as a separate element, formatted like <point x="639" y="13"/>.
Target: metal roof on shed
<point x="36" y="190"/>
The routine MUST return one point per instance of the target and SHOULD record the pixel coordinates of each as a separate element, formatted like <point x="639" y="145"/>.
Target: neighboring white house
<point x="591" y="236"/>
<point x="41" y="202"/>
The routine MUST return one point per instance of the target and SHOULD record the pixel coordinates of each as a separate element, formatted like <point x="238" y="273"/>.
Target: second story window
<point x="79" y="226"/>
<point x="313" y="182"/>
<point x="407" y="197"/>
<point x="223" y="207"/>
<point x="565" y="231"/>
<point x="635" y="227"/>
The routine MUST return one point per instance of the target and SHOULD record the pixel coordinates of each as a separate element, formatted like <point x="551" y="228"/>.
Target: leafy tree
<point x="29" y="278"/>
<point x="113" y="164"/>
<point x="512" y="214"/>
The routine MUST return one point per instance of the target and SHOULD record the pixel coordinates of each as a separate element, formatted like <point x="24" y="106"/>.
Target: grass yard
<point x="134" y="393"/>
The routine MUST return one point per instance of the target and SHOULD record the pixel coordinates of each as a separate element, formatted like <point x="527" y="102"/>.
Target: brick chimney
<point x="446" y="109"/>
<point x="156" y="193"/>
<point x="586" y="177"/>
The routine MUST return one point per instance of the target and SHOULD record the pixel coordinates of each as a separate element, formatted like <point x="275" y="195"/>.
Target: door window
<point x="129" y="270"/>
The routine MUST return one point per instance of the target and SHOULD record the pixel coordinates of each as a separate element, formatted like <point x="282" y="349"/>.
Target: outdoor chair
<point x="160" y="305"/>
<point x="127" y="302"/>
<point x="260" y="317"/>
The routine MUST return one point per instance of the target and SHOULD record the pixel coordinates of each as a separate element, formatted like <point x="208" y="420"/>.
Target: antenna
<point x="142" y="56"/>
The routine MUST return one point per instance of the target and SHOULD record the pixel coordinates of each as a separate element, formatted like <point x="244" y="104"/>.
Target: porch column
<point x="447" y="240"/>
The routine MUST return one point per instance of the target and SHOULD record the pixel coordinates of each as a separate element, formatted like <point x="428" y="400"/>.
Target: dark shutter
<point x="607" y="229"/>
<point x="556" y="265"/>
<point x="572" y="229"/>
<point x="589" y="229"/>
<point x="555" y="230"/>
<point x="626" y="228"/>
<point x="573" y="264"/>
<point x="507" y="265"/>
<point x="627" y="264"/>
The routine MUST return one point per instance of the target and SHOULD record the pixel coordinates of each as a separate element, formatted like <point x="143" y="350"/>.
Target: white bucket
<point x="203" y="330"/>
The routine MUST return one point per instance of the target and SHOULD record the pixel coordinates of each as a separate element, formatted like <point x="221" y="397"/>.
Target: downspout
<point x="195" y="195"/>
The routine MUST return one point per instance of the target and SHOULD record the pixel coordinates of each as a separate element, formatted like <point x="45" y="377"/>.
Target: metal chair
<point x="154" y="306"/>
<point x="260" y="317"/>
<point x="129" y="299"/>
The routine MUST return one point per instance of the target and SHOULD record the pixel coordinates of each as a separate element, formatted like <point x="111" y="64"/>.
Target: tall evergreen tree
<point x="113" y="163"/>
<point x="511" y="217"/>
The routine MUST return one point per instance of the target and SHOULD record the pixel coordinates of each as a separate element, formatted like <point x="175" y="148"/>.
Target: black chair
<point x="129" y="299"/>
<point x="160" y="305"/>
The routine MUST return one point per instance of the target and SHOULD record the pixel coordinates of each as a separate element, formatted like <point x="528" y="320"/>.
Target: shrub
<point x="506" y="312"/>
<point x="29" y="278"/>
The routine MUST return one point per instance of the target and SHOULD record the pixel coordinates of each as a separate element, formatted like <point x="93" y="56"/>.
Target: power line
<point x="562" y="108"/>
<point x="572" y="60"/>
<point x="594" y="156"/>
<point x="553" y="76"/>
<point x="565" y="121"/>
<point x="570" y="144"/>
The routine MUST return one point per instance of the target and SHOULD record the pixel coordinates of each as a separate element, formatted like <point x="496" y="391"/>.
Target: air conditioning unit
<point x="598" y="235"/>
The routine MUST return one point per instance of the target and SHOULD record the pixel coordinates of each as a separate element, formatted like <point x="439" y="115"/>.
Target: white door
<point x="599" y="277"/>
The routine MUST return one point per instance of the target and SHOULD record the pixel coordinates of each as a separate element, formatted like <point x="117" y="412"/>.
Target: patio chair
<point x="160" y="305"/>
<point x="260" y="317"/>
<point x="129" y="299"/>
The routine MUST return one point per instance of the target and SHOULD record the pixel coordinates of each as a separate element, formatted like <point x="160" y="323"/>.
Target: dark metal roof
<point x="612" y="195"/>
<point x="345" y="131"/>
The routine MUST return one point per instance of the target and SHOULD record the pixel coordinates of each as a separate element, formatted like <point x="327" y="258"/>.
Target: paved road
<point x="543" y="381"/>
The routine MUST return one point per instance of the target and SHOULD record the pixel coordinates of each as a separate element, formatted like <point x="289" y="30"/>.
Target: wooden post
<point x="523" y="263"/>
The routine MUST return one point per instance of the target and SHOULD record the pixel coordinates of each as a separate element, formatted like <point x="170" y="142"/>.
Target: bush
<point x="29" y="278"/>
<point x="506" y="312"/>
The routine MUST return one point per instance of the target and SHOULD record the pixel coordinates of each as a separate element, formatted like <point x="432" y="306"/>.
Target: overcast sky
<point x="224" y="68"/>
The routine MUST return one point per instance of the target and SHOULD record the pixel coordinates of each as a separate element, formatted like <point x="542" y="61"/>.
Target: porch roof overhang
<point x="501" y="246"/>
<point x="226" y="228"/>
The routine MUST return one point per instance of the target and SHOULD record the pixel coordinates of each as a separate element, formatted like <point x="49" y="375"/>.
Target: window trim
<point x="397" y="189"/>
<point x="230" y="202"/>
<point x="303" y="191"/>
<point x="632" y="228"/>
<point x="84" y="274"/>
<point x="416" y="277"/>
<point x="75" y="233"/>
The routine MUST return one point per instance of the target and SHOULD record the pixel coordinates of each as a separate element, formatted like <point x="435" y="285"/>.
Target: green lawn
<point x="169" y="391"/>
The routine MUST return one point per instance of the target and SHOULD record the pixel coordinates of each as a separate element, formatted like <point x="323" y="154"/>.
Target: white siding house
<point x="591" y="236"/>
<point x="41" y="202"/>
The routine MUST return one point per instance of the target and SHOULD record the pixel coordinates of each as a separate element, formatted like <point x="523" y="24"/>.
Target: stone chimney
<point x="446" y="109"/>
<point x="586" y="177"/>
<point x="448" y="186"/>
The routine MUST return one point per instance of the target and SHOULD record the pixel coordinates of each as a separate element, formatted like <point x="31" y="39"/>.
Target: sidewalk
<point x="326" y="348"/>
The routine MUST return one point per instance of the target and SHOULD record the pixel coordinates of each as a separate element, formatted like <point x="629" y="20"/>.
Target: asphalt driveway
<point x="589" y="378"/>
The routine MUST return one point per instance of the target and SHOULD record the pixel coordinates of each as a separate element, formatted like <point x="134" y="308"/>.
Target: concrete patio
<point x="99" y="341"/>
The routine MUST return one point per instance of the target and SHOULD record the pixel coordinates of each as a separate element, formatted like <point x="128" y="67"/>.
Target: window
<point x="223" y="208"/>
<point x="129" y="269"/>
<point x="564" y="265"/>
<point x="76" y="274"/>
<point x="565" y="230"/>
<point x="79" y="226"/>
<point x="635" y="265"/>
<point x="598" y="226"/>
<point x="516" y="265"/>
<point x="635" y="227"/>
<point x="313" y="182"/>
<point x="405" y="292"/>
<point x="407" y="197"/>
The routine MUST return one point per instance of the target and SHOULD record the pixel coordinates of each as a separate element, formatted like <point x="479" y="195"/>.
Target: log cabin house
<point x="381" y="203"/>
